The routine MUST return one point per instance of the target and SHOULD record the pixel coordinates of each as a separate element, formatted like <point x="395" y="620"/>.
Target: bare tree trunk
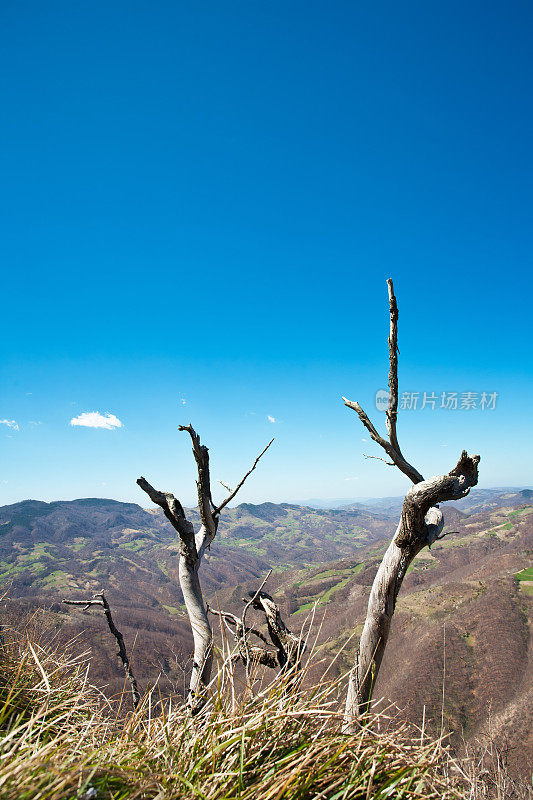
<point x="375" y="633"/>
<point x="421" y="524"/>
<point x="191" y="550"/>
<point x="201" y="629"/>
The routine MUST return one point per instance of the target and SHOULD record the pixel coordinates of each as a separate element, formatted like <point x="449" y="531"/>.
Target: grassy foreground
<point x="60" y="739"/>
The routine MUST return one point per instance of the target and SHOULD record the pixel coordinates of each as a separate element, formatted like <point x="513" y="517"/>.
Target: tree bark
<point x="420" y="524"/>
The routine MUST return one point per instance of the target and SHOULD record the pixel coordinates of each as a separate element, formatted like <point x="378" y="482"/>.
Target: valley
<point x="462" y="627"/>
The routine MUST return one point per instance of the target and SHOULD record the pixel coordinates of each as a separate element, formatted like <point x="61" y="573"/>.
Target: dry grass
<point x="61" y="739"/>
<point x="486" y="772"/>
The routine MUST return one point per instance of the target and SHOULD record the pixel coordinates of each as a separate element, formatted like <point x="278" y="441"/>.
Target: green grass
<point x="525" y="574"/>
<point x="305" y="607"/>
<point x="327" y="594"/>
<point x="79" y="543"/>
<point x="421" y="564"/>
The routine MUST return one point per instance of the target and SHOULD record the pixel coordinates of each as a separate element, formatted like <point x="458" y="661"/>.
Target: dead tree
<point x="191" y="550"/>
<point x="420" y="524"/>
<point x="288" y="647"/>
<point x="100" y="600"/>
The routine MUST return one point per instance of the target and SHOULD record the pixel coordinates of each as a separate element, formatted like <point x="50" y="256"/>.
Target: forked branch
<point x="232" y="494"/>
<point x="391" y="446"/>
<point x="192" y="548"/>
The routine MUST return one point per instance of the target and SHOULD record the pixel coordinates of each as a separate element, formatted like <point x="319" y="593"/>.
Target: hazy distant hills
<point x="467" y="601"/>
<point x="477" y="500"/>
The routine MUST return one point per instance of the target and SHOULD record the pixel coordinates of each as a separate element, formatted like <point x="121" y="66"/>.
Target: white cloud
<point x="271" y="419"/>
<point x="33" y="422"/>
<point x="352" y="479"/>
<point x="183" y="401"/>
<point x="364" y="440"/>
<point x="10" y="423"/>
<point x="93" y="419"/>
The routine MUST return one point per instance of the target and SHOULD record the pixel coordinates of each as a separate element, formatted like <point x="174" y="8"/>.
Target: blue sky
<point x="202" y="202"/>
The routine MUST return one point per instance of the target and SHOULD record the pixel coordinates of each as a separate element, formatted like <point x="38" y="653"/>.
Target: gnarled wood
<point x="289" y="648"/>
<point x="421" y="524"/>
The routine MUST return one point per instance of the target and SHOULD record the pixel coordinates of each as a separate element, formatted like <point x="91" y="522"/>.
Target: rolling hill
<point x="463" y="620"/>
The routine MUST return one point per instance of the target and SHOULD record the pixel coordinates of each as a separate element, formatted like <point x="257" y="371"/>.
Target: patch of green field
<point x="419" y="566"/>
<point x="527" y="588"/>
<point x="521" y="512"/>
<point x="57" y="578"/>
<point x="135" y="546"/>
<point x="305" y="607"/>
<point x="525" y="574"/>
<point x="330" y="573"/>
<point x="93" y="573"/>
<point x="325" y="597"/>
<point x="79" y="543"/>
<point x="8" y="571"/>
<point x="28" y="558"/>
<point x="172" y="609"/>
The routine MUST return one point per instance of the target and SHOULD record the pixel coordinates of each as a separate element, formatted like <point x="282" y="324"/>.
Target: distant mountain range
<point x="470" y="597"/>
<point x="479" y="499"/>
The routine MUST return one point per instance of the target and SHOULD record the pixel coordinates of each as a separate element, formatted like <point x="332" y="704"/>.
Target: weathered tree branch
<point x="289" y="647"/>
<point x="189" y="562"/>
<point x="378" y="458"/>
<point x="203" y="484"/>
<point x="231" y="619"/>
<point x="392" y="411"/>
<point x="232" y="494"/>
<point x="421" y="524"/>
<point x="391" y="447"/>
<point x="395" y="455"/>
<point x="247" y="653"/>
<point x="175" y="514"/>
<point x="100" y="600"/>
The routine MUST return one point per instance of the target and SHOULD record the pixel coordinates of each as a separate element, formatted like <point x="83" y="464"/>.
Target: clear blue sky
<point x="201" y="202"/>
